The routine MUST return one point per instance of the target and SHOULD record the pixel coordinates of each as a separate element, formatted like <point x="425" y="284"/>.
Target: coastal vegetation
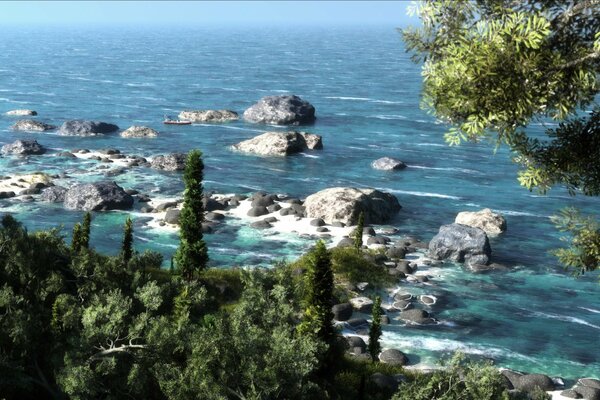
<point x="490" y="69"/>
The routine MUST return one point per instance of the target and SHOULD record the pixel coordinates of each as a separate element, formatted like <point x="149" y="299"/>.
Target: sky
<point x="36" y="13"/>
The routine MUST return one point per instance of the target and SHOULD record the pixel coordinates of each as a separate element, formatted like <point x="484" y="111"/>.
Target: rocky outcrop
<point x="345" y="204"/>
<point x="208" y="115"/>
<point x="54" y="194"/>
<point x="281" y="110"/>
<point x="169" y="162"/>
<point x="97" y="196"/>
<point x="388" y="164"/>
<point x="528" y="382"/>
<point x="23" y="148"/>
<point x="280" y="143"/>
<point x="139" y="132"/>
<point x="492" y="223"/>
<point x="30" y="125"/>
<point x="461" y="243"/>
<point x="21" y="113"/>
<point x="79" y="127"/>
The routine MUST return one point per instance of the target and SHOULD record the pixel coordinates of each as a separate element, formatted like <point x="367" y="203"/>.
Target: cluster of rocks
<point x="208" y="115"/>
<point x="585" y="388"/>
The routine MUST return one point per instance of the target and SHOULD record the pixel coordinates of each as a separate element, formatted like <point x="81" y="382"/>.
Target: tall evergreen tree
<point x="76" y="240"/>
<point x="192" y="254"/>
<point x="318" y="315"/>
<point x="127" y="246"/>
<point x="85" y="230"/>
<point x="358" y="233"/>
<point x="374" y="347"/>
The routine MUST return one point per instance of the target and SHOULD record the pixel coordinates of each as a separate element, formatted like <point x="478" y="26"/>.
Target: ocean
<point x="366" y="91"/>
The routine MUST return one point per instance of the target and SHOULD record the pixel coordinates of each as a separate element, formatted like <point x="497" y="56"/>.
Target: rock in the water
<point x="342" y="312"/>
<point x="280" y="143"/>
<point x="281" y="110"/>
<point x="21" y="113"/>
<point x="461" y="243"/>
<point x="258" y="211"/>
<point x="169" y="162"/>
<point x="393" y="357"/>
<point x="388" y="164"/>
<point x="172" y="216"/>
<point x="529" y="382"/>
<point x="23" y="148"/>
<point x="345" y="204"/>
<point x="317" y="222"/>
<point x="139" y="132"/>
<point x="208" y="115"/>
<point x="7" y="195"/>
<point x="396" y="252"/>
<point x="30" y="125"/>
<point x="362" y="304"/>
<point x="490" y="222"/>
<point x="79" y="127"/>
<point x="261" y="225"/>
<point x="97" y="196"/>
<point x="417" y="316"/>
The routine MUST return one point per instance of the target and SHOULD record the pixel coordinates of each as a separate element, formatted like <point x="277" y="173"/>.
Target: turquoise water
<point x="366" y="93"/>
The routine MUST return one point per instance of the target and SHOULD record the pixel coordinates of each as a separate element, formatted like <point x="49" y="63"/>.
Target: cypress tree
<point x="127" y="246"/>
<point x="192" y="254"/>
<point x="374" y="347"/>
<point x="85" y="230"/>
<point x="358" y="233"/>
<point x="76" y="240"/>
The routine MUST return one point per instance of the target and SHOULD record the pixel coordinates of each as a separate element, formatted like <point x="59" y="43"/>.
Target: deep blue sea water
<point x="366" y="93"/>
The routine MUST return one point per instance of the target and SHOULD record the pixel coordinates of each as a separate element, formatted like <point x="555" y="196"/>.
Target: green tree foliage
<point x="583" y="253"/>
<point x="127" y="245"/>
<point x="192" y="255"/>
<point x="374" y="347"/>
<point x="86" y="228"/>
<point x="358" y="233"/>
<point x="491" y="68"/>
<point x="80" y="326"/>
<point x="76" y="240"/>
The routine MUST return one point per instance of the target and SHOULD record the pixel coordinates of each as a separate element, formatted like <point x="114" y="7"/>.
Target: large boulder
<point x="345" y="204"/>
<point x="30" y="125"/>
<point x="342" y="312"/>
<point x="388" y="164"/>
<point x="54" y="194"/>
<point x="23" y="148"/>
<point x="172" y="216"/>
<point x="208" y="115"/>
<point x="490" y="222"/>
<point x="280" y="143"/>
<point x="393" y="357"/>
<point x="97" y="196"/>
<point x="417" y="316"/>
<point x="281" y="110"/>
<point x="169" y="162"/>
<point x="21" y="113"/>
<point x="78" y="127"/>
<point x="461" y="243"/>
<point x="139" y="132"/>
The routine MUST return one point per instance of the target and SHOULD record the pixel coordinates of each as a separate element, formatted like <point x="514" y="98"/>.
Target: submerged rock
<point x="169" y="162"/>
<point x="23" y="148"/>
<point x="280" y="143"/>
<point x="208" y="115"/>
<point x="79" y="127"/>
<point x="345" y="204"/>
<point x="490" y="222"/>
<point x="139" y="132"/>
<point x="30" y="125"/>
<point x="388" y="164"/>
<point x="461" y="243"/>
<point x="281" y="110"/>
<point x="21" y="113"/>
<point x="97" y="196"/>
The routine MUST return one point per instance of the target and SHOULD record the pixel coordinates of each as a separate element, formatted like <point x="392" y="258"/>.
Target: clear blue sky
<point x="204" y="12"/>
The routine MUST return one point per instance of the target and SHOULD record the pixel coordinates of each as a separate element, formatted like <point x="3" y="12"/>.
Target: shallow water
<point x="366" y="92"/>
